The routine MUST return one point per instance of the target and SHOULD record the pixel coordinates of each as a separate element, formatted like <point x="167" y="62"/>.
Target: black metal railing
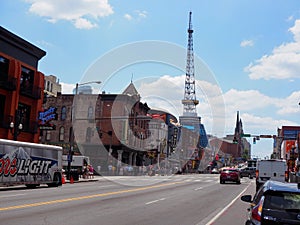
<point x="31" y="91"/>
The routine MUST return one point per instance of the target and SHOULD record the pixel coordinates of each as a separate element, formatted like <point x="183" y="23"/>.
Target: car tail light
<point x="257" y="210"/>
<point x="256" y="173"/>
<point x="286" y="175"/>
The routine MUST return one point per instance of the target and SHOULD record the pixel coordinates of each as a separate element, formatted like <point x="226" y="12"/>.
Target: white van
<point x="272" y="169"/>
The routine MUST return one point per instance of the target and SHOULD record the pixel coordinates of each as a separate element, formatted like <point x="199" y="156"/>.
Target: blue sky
<point x="247" y="50"/>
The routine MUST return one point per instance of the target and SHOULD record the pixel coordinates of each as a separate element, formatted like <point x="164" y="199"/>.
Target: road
<point x="182" y="199"/>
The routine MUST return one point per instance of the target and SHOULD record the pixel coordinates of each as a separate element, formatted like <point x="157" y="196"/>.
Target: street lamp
<point x="71" y="139"/>
<point x="17" y="126"/>
<point x="90" y="82"/>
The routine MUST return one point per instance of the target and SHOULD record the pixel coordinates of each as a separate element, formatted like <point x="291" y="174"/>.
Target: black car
<point x="274" y="203"/>
<point x="248" y="172"/>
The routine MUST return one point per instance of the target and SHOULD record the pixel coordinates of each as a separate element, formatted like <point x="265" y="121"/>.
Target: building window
<point x="63" y="114"/>
<point x="27" y="78"/>
<point x="48" y="85"/>
<point x="89" y="134"/>
<point x="23" y="116"/>
<point x="61" y="134"/>
<point x="2" y="107"/>
<point x="48" y="135"/>
<point x="4" y="65"/>
<point x="90" y="112"/>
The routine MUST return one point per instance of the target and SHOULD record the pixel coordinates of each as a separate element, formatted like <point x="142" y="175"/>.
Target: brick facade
<point x="21" y="87"/>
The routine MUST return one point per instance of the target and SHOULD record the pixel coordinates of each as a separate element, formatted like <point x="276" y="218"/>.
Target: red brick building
<point x="109" y="128"/>
<point x="21" y="88"/>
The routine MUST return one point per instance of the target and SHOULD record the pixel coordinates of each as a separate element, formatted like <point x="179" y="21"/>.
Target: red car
<point x="230" y="174"/>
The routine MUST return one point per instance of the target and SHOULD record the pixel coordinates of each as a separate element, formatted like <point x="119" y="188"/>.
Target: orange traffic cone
<point x="71" y="180"/>
<point x="63" y="180"/>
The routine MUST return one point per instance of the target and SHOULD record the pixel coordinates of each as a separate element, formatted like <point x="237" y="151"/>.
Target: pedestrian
<point x="110" y="169"/>
<point x="91" y="171"/>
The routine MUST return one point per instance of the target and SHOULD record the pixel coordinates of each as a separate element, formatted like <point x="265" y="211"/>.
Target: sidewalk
<point x="94" y="179"/>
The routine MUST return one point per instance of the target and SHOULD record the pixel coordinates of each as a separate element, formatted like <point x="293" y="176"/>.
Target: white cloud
<point x="282" y="63"/>
<point x="290" y="18"/>
<point x="83" y="14"/>
<point x="67" y="88"/>
<point x="136" y="15"/>
<point x="258" y="124"/>
<point x="289" y="105"/>
<point x="142" y="14"/>
<point x="167" y="93"/>
<point x="127" y="16"/>
<point x="247" y="43"/>
<point x="82" y="23"/>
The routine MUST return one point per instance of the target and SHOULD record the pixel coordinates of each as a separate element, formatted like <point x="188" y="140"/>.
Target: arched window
<point x="48" y="135"/>
<point x="89" y="134"/>
<point x="90" y="112"/>
<point x="48" y="85"/>
<point x="63" y="114"/>
<point x="61" y="134"/>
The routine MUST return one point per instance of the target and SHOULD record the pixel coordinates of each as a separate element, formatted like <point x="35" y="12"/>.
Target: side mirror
<point x="246" y="198"/>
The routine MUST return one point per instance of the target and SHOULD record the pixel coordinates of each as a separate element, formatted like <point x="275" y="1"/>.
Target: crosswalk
<point x="204" y="178"/>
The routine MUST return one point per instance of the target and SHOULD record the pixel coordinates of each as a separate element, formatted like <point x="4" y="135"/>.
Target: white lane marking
<point x="7" y="196"/>
<point x="161" y="199"/>
<point x="198" y="188"/>
<point x="208" y="181"/>
<point x="225" y="208"/>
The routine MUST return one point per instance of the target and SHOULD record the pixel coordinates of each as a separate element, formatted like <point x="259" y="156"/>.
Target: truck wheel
<point x="56" y="180"/>
<point x="32" y="185"/>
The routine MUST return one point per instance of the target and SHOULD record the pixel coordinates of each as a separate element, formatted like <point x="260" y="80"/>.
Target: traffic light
<point x="254" y="140"/>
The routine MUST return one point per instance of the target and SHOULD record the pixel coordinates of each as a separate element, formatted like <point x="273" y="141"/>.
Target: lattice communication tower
<point x="189" y="102"/>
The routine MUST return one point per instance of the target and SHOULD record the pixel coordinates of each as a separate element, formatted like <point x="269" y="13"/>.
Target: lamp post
<point x="90" y="82"/>
<point x="71" y="138"/>
<point x="17" y="126"/>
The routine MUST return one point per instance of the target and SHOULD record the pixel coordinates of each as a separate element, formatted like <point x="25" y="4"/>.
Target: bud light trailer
<point x="30" y="164"/>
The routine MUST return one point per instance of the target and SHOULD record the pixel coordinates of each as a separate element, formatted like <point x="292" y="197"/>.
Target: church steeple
<point x="238" y="126"/>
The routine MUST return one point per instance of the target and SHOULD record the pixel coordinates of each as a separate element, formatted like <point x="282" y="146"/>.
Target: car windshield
<point x="230" y="170"/>
<point x="282" y="200"/>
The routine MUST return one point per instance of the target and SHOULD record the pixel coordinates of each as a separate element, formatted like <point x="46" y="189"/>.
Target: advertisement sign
<point x="46" y="117"/>
<point x="17" y="164"/>
<point x="290" y="134"/>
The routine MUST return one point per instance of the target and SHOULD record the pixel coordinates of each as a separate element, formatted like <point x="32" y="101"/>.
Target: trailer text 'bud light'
<point x="29" y="164"/>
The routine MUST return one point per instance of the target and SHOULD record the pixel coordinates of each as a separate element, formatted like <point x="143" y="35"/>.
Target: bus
<point x="30" y="164"/>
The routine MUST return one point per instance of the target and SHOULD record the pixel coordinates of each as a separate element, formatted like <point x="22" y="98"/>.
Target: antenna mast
<point x="189" y="102"/>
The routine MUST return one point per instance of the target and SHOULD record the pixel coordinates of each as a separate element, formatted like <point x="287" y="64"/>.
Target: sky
<point x="247" y="54"/>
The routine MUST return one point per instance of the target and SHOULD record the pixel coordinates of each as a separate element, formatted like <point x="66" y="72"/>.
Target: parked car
<point x="230" y="174"/>
<point x="275" y="203"/>
<point x="215" y="171"/>
<point x="248" y="172"/>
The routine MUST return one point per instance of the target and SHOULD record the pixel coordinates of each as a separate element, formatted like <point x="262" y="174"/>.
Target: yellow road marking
<point x="85" y="197"/>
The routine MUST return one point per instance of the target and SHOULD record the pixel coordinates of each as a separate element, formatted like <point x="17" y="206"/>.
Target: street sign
<point x="245" y="135"/>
